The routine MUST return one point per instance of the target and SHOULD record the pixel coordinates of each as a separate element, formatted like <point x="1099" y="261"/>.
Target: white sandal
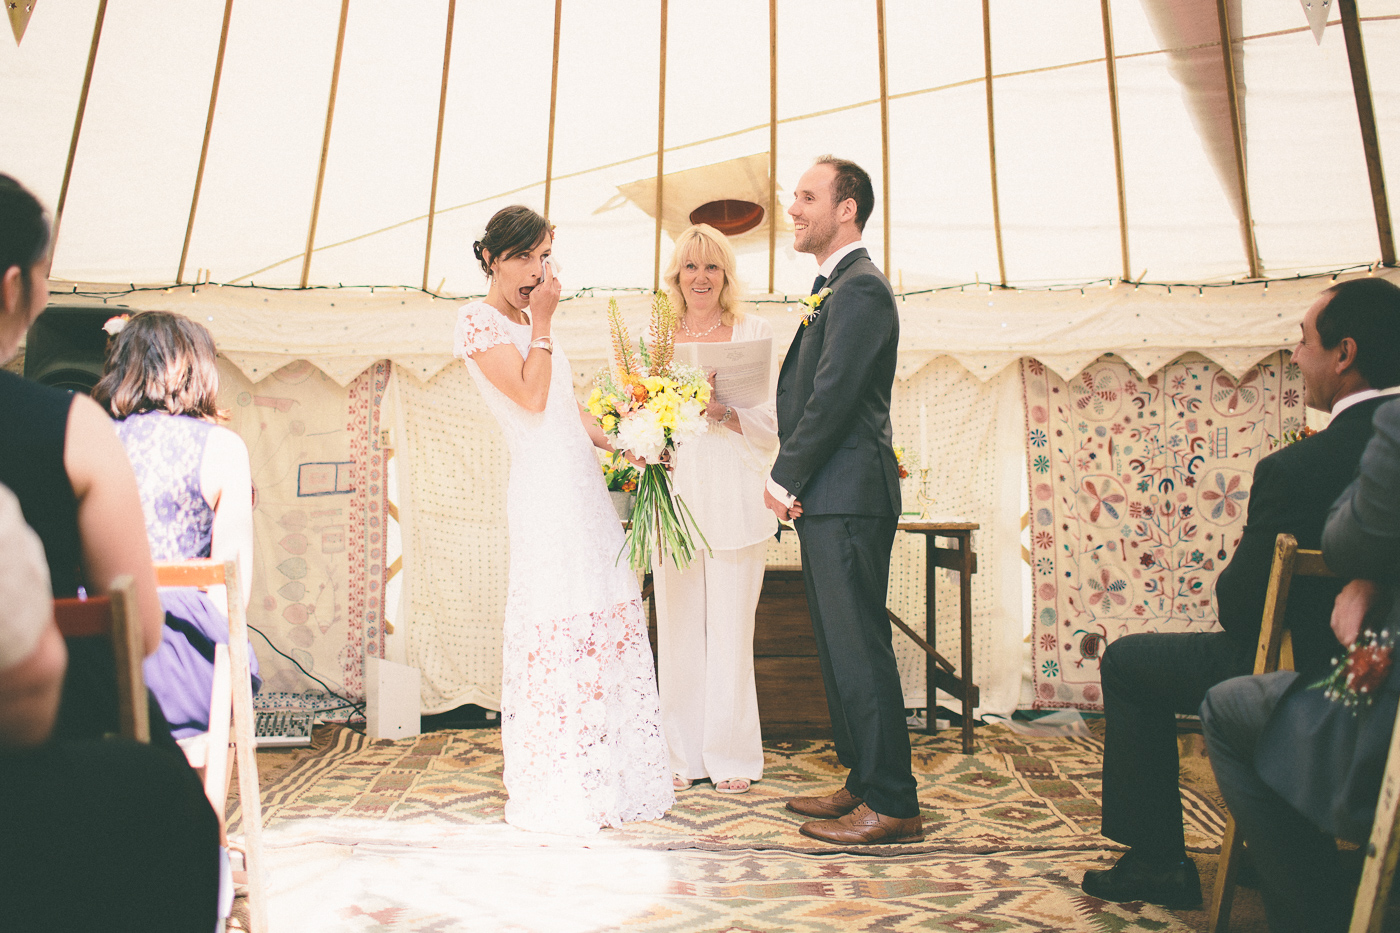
<point x="734" y="786"/>
<point x="680" y="783"/>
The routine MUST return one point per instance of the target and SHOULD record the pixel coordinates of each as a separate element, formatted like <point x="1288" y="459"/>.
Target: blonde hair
<point x="704" y="244"/>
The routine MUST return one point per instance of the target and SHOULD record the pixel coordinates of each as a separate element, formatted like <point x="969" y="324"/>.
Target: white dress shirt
<point x="1342" y="404"/>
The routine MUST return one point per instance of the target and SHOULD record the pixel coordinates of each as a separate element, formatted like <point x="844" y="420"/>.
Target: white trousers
<point x="704" y="649"/>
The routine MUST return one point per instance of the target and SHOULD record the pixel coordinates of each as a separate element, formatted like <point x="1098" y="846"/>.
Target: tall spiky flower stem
<point x="622" y="349"/>
<point x="663" y="333"/>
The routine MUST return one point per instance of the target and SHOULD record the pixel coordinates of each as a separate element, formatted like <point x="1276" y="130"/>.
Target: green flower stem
<point x="658" y="526"/>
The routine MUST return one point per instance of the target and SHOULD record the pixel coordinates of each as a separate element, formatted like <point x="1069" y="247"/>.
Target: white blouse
<point x="721" y="474"/>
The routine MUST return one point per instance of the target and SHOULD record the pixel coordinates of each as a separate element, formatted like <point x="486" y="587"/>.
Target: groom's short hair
<point x="852" y="182"/>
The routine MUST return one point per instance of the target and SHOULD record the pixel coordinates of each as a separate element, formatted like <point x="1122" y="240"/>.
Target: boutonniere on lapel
<point x="814" y="303"/>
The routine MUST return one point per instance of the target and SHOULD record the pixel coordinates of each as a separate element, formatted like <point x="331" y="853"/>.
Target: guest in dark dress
<point x="161" y="383"/>
<point x="95" y="833"/>
<point x="61" y="458"/>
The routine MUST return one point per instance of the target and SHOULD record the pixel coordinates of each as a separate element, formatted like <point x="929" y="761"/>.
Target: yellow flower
<point x="595" y="403"/>
<point x="609" y="423"/>
<point x="814" y="306"/>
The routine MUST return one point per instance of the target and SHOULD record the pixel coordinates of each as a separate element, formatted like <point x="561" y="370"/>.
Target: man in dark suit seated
<point x="1349" y="353"/>
<point x="1296" y="768"/>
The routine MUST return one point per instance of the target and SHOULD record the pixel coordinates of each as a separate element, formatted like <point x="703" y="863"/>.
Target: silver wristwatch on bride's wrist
<point x="728" y="413"/>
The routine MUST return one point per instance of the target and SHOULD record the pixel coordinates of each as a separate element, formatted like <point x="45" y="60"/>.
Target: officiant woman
<point x="705" y="614"/>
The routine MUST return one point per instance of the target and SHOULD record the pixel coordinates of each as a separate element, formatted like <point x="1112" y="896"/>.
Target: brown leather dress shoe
<point x="863" y="826"/>
<point x="825" y="808"/>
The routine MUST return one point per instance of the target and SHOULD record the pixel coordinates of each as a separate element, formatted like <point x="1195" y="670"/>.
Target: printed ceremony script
<point x="742" y="368"/>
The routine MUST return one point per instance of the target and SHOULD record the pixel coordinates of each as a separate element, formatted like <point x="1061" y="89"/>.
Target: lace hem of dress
<point x="581" y="724"/>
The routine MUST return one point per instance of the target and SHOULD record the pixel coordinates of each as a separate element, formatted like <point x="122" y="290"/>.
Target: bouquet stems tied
<point x="661" y="523"/>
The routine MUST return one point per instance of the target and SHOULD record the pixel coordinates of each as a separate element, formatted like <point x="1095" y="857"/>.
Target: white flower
<point x="690" y="421"/>
<point x="641" y="433"/>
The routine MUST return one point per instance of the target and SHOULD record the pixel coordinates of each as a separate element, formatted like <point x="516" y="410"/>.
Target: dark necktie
<point x="818" y="283"/>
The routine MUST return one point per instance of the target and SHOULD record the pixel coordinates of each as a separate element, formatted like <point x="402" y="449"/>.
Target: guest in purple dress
<point x="160" y="383"/>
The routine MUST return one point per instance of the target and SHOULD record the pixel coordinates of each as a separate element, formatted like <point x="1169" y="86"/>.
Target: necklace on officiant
<point x="685" y="327"/>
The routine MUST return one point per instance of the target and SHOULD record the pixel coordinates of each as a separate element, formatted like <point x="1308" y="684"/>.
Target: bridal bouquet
<point x="647" y="403"/>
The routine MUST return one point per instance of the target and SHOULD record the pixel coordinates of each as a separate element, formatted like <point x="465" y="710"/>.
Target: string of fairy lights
<point x="117" y="292"/>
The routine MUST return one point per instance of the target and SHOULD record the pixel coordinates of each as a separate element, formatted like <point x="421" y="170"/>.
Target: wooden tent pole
<point x="992" y="137"/>
<point x="660" y="150"/>
<point x="325" y="145"/>
<point x="1112" y="63"/>
<point x="884" y="126"/>
<point x="553" y="103"/>
<point x="1370" y="141"/>
<point x="204" y="149"/>
<point x="1237" y="129"/>
<point x="772" y="140"/>
<point x="77" y="125"/>
<point x="437" y="146"/>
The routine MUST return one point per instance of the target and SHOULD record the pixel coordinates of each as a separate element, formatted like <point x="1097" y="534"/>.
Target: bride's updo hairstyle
<point x="161" y="362"/>
<point x="510" y="231"/>
<point x="703" y="244"/>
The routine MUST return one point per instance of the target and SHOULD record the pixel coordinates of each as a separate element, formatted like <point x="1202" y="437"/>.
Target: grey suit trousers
<point x="846" y="567"/>
<point x="1303" y="888"/>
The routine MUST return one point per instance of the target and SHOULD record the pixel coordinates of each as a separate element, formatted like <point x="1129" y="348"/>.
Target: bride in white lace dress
<point x="580" y="720"/>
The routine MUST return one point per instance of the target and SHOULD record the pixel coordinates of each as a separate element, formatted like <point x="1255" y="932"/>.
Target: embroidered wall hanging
<point x="1138" y="493"/>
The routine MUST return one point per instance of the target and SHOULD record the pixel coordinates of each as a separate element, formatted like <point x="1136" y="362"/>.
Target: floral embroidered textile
<point x="1138" y="494"/>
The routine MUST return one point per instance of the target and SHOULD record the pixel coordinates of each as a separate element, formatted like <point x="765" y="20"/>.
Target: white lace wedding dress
<point x="580" y="720"/>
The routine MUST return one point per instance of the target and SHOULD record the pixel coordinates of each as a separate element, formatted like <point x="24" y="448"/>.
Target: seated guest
<point x="1295" y="767"/>
<point x="94" y="835"/>
<point x="160" y="383"/>
<point x="32" y="656"/>
<point x="1349" y="355"/>
<point x="64" y="463"/>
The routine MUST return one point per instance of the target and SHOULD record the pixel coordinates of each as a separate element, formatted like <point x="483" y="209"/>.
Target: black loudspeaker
<point x="66" y="346"/>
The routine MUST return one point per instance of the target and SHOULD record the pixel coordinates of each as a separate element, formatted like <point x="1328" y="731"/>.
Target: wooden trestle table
<point x="940" y="673"/>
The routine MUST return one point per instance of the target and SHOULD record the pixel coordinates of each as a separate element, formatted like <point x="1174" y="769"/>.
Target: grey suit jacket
<point x="1322" y="759"/>
<point x="836" y="454"/>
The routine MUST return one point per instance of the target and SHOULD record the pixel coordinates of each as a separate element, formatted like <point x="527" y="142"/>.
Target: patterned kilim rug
<point x="408" y="836"/>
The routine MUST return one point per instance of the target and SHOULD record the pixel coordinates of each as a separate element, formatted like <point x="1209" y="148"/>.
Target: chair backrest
<point x="189" y="573"/>
<point x="114" y="616"/>
<point x="1383" y="850"/>
<point x="1275" y="645"/>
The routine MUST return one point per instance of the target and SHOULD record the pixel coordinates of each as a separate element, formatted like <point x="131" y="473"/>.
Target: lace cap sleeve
<point x="479" y="327"/>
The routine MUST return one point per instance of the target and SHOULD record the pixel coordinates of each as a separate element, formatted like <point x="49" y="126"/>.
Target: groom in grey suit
<point x="837" y="478"/>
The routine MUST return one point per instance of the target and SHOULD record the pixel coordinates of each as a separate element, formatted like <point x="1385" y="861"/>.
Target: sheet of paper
<point x="742" y="368"/>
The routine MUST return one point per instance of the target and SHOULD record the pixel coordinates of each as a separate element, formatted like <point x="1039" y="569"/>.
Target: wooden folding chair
<point x="114" y="616"/>
<point x="231" y="698"/>
<point x="1275" y="652"/>
<point x="1383" y="850"/>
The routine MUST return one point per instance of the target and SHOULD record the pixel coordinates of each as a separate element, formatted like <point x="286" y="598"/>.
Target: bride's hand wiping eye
<point x="544" y="297"/>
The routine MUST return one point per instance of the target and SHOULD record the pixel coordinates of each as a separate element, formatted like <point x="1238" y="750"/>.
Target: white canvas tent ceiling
<point x="134" y="170"/>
